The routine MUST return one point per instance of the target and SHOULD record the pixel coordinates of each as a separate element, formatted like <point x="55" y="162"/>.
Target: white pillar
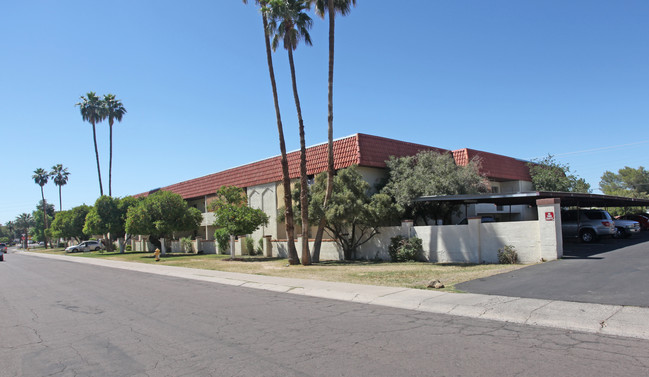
<point x="163" y="249"/>
<point x="551" y="245"/>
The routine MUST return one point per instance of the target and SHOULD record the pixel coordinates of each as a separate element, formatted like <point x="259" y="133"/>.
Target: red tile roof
<point x="495" y="166"/>
<point x="359" y="149"/>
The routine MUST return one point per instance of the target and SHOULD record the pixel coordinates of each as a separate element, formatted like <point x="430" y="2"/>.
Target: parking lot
<point x="610" y="271"/>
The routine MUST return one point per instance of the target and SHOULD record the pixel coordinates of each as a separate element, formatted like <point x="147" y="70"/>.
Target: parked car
<point x="643" y="220"/>
<point x="587" y="225"/>
<point x="625" y="228"/>
<point x="3" y="250"/>
<point x="85" y="246"/>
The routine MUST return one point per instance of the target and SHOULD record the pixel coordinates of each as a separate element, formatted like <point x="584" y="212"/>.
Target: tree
<point x="11" y="228"/>
<point x="108" y="216"/>
<point x="332" y="7"/>
<point x="290" y="24"/>
<point x="39" y="231"/>
<point x="286" y="179"/>
<point x="549" y="175"/>
<point x="430" y="173"/>
<point x="70" y="224"/>
<point x="92" y="111"/>
<point x="40" y="178"/>
<point x="233" y="214"/>
<point x="24" y="222"/>
<point x="59" y="175"/>
<point x="353" y="216"/>
<point x="114" y="110"/>
<point x="160" y="215"/>
<point x="627" y="181"/>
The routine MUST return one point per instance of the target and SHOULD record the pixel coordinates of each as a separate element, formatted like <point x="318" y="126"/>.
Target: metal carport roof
<point x="568" y="199"/>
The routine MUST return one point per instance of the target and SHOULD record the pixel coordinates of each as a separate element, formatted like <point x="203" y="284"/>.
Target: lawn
<point x="409" y="275"/>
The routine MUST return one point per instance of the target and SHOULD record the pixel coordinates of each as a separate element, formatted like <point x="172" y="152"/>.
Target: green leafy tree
<point x="627" y="181"/>
<point x="40" y="178"/>
<point x="332" y="7"/>
<point x="431" y="173"/>
<point x="286" y="179"/>
<point x="108" y="216"/>
<point x="69" y="224"/>
<point x="11" y="228"/>
<point x="289" y="23"/>
<point x="233" y="215"/>
<point x="160" y="215"/>
<point x="60" y="176"/>
<point x="353" y="216"/>
<point x="114" y="111"/>
<point x="93" y="112"/>
<point x="39" y="232"/>
<point x="550" y="175"/>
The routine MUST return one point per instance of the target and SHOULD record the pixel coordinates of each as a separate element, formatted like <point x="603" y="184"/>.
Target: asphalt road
<point x="61" y="318"/>
<point x="610" y="271"/>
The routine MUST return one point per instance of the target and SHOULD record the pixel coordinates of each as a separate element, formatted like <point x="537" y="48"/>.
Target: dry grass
<point x="409" y="275"/>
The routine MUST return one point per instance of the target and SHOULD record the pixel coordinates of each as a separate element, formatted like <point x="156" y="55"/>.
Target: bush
<point x="222" y="240"/>
<point x="187" y="245"/>
<point x="250" y="246"/>
<point x="260" y="246"/>
<point x="507" y="255"/>
<point x="405" y="249"/>
<point x="128" y="247"/>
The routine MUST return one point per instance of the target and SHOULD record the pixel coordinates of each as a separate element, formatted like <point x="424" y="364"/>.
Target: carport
<point x="567" y="199"/>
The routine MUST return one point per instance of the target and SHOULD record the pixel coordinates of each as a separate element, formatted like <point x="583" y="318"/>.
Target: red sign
<point x="549" y="216"/>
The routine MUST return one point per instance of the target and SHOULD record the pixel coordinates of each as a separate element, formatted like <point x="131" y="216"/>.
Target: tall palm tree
<point x="40" y="178"/>
<point x="114" y="110"/>
<point x="289" y="24"/>
<point x="60" y="175"/>
<point x="332" y="7"/>
<point x="92" y="111"/>
<point x="24" y="221"/>
<point x="286" y="179"/>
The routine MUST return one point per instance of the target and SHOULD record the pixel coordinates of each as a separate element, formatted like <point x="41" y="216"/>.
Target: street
<point x="61" y="318"/>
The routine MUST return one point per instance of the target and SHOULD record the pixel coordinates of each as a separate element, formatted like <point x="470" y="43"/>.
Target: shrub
<point x="129" y="248"/>
<point x="187" y="245"/>
<point x="507" y="255"/>
<point x="222" y="240"/>
<point x="250" y="246"/>
<point x="260" y="246"/>
<point x="405" y="249"/>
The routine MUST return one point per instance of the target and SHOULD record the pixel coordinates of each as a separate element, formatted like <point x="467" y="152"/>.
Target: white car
<point x="85" y="246"/>
<point x="625" y="228"/>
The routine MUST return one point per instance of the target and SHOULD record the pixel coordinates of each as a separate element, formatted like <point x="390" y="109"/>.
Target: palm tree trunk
<point x="330" y="133"/>
<point x="44" y="216"/>
<point x="304" y="186"/>
<point x="94" y="137"/>
<point x="60" y="201"/>
<point x="286" y="179"/>
<point x="110" y="160"/>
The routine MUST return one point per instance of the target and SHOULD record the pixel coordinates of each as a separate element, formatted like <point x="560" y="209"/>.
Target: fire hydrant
<point x="156" y="253"/>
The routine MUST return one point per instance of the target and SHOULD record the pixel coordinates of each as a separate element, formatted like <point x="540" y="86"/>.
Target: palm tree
<point x="59" y="175"/>
<point x="114" y="110"/>
<point x="343" y="7"/>
<point x="40" y="178"/>
<point x="11" y="227"/>
<point x="24" y="221"/>
<point x="290" y="24"/>
<point x="92" y="111"/>
<point x="286" y="179"/>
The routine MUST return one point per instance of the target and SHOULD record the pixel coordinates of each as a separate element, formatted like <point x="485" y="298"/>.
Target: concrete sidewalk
<point x="594" y="318"/>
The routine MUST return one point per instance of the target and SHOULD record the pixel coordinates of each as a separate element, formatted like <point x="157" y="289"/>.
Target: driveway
<point x="611" y="271"/>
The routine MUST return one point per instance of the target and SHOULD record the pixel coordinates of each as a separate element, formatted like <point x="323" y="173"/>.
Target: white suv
<point x="85" y="246"/>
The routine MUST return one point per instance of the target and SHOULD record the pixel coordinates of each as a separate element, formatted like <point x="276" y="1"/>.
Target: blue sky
<point x="518" y="78"/>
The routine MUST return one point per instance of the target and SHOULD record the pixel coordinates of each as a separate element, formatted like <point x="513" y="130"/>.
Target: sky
<point x="519" y="78"/>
